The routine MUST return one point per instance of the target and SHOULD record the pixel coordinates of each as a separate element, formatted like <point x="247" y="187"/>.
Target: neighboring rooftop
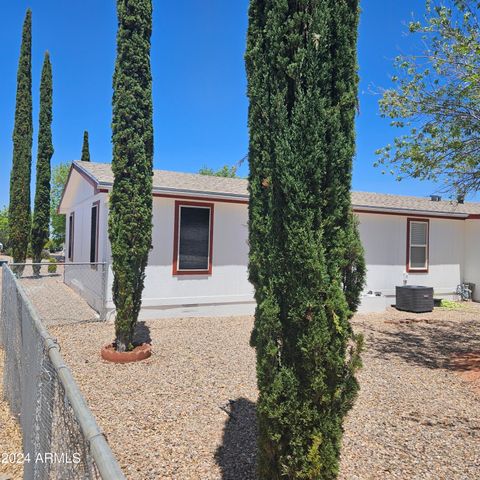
<point x="176" y="182"/>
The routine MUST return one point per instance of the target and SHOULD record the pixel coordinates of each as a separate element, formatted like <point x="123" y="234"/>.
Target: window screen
<point x="194" y="238"/>
<point x="418" y="245"/>
<point x="94" y="234"/>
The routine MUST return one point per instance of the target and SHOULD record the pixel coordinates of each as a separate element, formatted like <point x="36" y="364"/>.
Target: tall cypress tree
<point x="301" y="94"/>
<point x="85" y="148"/>
<point x="130" y="220"/>
<point x="41" y="213"/>
<point x="341" y="238"/>
<point x="19" y="207"/>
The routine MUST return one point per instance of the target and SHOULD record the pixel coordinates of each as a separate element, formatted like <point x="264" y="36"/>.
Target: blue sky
<point x="200" y="104"/>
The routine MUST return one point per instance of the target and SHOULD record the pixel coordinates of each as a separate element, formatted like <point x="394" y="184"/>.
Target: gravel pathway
<point x="10" y="434"/>
<point x="188" y="412"/>
<point x="55" y="302"/>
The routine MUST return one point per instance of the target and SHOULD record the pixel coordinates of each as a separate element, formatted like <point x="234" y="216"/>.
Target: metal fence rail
<point x="61" y="439"/>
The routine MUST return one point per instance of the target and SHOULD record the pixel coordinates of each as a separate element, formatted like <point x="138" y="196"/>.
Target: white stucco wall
<point x="472" y="255"/>
<point x="385" y="241"/>
<point x="87" y="281"/>
<point x="83" y="212"/>
<point x="225" y="292"/>
<point x="454" y="257"/>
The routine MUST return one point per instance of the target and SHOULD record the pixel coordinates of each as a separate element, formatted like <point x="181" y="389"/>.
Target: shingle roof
<point x="402" y="202"/>
<point x="168" y="181"/>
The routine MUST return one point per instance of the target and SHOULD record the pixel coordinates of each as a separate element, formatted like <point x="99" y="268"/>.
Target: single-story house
<point x="199" y="257"/>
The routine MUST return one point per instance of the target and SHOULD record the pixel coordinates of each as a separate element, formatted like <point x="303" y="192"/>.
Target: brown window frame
<point x="71" y="236"/>
<point x="409" y="246"/>
<point x="176" y="238"/>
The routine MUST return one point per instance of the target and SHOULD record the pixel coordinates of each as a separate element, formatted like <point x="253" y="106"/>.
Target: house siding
<point x="472" y="255"/>
<point x="454" y="256"/>
<point x="384" y="238"/>
<point x="225" y="291"/>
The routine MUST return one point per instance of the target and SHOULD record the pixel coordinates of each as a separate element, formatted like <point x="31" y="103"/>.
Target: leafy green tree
<point x="225" y="171"/>
<point x="4" y="227"/>
<point x="41" y="213"/>
<point x="85" y="148"/>
<point x="302" y="85"/>
<point x="19" y="208"/>
<point x="130" y="220"/>
<point x="59" y="180"/>
<point x="435" y="100"/>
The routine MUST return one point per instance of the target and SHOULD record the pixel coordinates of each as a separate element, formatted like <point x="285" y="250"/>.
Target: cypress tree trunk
<point x="130" y="220"/>
<point x="85" y="148"/>
<point x="19" y="207"/>
<point x="41" y="215"/>
<point x="302" y="106"/>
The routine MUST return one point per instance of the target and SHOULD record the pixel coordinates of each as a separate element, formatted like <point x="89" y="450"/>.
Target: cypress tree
<point x="341" y="237"/>
<point x="354" y="268"/>
<point x="19" y="207"/>
<point x="302" y="95"/>
<point x="85" y="148"/>
<point x="41" y="215"/>
<point x="130" y="220"/>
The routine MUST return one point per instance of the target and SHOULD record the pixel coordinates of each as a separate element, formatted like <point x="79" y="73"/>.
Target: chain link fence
<point x="61" y="439"/>
<point x="89" y="280"/>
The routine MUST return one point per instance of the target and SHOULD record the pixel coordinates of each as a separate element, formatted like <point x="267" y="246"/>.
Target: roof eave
<point x="180" y="192"/>
<point x="409" y="212"/>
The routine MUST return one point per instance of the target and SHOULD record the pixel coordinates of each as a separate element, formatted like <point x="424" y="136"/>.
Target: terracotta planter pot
<point x="141" y="352"/>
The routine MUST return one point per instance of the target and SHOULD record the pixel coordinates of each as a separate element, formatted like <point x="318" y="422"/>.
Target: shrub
<point x="52" y="268"/>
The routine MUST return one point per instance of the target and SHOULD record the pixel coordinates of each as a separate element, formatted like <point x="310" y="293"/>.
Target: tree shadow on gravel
<point x="431" y="344"/>
<point x="236" y="457"/>
<point x="142" y="333"/>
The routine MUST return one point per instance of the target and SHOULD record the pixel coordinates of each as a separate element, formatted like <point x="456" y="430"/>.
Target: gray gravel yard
<point x="188" y="412"/>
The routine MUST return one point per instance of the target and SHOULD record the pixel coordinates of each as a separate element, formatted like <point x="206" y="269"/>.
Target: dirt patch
<point x="467" y="367"/>
<point x="407" y="321"/>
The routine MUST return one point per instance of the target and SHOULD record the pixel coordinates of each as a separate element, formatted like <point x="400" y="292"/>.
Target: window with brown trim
<point x="71" y="236"/>
<point x="193" y="238"/>
<point x="94" y="225"/>
<point x="417" y="245"/>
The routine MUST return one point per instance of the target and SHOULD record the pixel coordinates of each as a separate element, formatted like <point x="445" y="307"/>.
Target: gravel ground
<point x="10" y="437"/>
<point x="55" y="302"/>
<point x="10" y="434"/>
<point x="188" y="412"/>
<point x="415" y="417"/>
<point x="165" y="417"/>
